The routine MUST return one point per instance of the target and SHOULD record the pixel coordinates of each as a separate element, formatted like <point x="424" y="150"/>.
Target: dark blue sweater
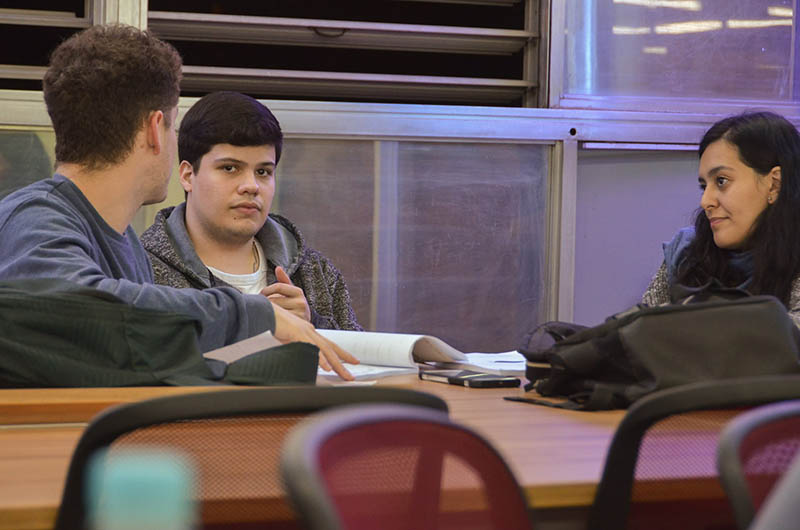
<point x="50" y="229"/>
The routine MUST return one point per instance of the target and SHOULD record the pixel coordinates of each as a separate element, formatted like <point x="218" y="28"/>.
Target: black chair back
<point x="664" y="450"/>
<point x="232" y="437"/>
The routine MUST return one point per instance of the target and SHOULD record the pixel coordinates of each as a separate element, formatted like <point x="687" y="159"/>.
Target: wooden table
<point x="557" y="455"/>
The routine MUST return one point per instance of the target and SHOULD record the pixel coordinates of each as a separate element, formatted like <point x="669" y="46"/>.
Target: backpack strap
<point x="602" y="397"/>
<point x="545" y="335"/>
<point x="710" y="291"/>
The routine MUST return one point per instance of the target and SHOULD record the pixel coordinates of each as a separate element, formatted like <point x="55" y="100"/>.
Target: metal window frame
<point x="336" y="33"/>
<point x="132" y="12"/>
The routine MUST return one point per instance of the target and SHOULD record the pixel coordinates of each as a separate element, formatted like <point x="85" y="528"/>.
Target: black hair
<point x="226" y="118"/>
<point x="764" y="140"/>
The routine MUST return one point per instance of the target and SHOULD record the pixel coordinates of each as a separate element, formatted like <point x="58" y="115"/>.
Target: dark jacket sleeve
<point x="53" y="241"/>
<point x="657" y="292"/>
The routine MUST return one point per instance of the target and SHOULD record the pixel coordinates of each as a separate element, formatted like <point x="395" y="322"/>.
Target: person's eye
<point x="721" y="182"/>
<point x="702" y="186"/>
<point x="264" y="172"/>
<point x="228" y="168"/>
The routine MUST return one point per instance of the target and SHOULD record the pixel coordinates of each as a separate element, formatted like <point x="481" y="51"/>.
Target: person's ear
<point x="774" y="184"/>
<point x="155" y="127"/>
<point x="186" y="175"/>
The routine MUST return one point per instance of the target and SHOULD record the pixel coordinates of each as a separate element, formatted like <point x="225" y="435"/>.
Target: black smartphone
<point x="469" y="378"/>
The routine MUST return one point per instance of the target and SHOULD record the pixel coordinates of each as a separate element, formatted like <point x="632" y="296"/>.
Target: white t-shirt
<point x="247" y="283"/>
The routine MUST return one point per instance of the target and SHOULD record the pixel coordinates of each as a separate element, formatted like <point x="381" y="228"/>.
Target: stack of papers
<point x="387" y="354"/>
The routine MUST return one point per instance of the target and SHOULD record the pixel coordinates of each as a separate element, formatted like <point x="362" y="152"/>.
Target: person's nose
<point x="709" y="199"/>
<point x="249" y="184"/>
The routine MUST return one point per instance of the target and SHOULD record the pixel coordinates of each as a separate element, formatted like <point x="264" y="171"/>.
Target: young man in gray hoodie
<point x="229" y="145"/>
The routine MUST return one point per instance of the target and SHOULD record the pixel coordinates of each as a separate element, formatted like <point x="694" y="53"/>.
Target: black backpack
<point x="712" y="334"/>
<point x="55" y="333"/>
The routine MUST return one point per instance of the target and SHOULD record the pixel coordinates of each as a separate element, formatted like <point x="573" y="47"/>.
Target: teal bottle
<point x="131" y="489"/>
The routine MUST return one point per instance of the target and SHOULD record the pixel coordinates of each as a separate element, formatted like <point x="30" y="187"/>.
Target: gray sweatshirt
<point x="175" y="263"/>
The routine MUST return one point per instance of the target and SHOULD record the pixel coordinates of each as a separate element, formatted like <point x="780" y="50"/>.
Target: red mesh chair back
<point x="675" y="478"/>
<point x="755" y="450"/>
<point x="398" y="467"/>
<point x="660" y="470"/>
<point x="231" y="438"/>
<point x="781" y="511"/>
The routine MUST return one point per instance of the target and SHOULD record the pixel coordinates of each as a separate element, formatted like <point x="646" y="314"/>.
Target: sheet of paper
<point x="387" y="349"/>
<point x="369" y="371"/>
<point x="245" y="347"/>
<point x="330" y="381"/>
<point x="432" y="349"/>
<point x="392" y="349"/>
<point x="504" y="363"/>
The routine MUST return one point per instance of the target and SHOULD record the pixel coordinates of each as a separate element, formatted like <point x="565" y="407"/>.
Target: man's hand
<point x="285" y="294"/>
<point x="291" y="328"/>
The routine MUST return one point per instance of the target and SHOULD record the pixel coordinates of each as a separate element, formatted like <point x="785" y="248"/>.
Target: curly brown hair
<point x="100" y="87"/>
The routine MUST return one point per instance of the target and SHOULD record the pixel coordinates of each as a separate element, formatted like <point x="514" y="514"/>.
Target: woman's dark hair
<point x="764" y="140"/>
<point x="226" y="118"/>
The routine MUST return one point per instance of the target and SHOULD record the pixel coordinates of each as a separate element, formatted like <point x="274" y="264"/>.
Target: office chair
<point x="232" y="438"/>
<point x="755" y="449"/>
<point x="664" y="450"/>
<point x="398" y="467"/>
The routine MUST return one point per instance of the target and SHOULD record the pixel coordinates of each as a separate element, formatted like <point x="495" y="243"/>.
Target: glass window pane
<point x="25" y="157"/>
<point x="471" y="241"/>
<point x="688" y="48"/>
<point x="628" y="203"/>
<point x="439" y="238"/>
<point x="326" y="187"/>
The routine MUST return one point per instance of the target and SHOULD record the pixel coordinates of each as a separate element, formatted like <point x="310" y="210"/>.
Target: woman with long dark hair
<point x="747" y="231"/>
